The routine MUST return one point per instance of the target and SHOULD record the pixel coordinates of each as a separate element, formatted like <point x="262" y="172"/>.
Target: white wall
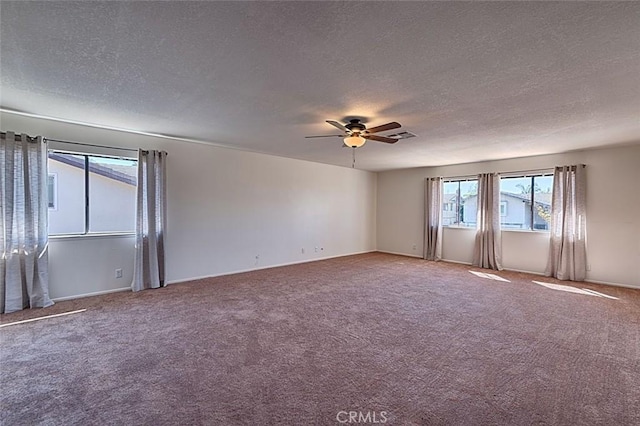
<point x="225" y="207"/>
<point x="613" y="214"/>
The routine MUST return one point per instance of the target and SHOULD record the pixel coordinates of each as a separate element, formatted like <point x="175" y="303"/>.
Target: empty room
<point x="319" y="213"/>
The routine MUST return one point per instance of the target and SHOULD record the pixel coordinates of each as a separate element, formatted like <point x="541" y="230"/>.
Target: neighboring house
<point x="515" y="210"/>
<point x="449" y="214"/>
<point x="112" y="195"/>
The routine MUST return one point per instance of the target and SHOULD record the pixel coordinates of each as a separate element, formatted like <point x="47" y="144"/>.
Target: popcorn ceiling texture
<point x="475" y="81"/>
<point x="429" y="343"/>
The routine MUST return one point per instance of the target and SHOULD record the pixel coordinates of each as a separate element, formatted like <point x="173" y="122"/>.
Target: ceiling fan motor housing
<point x="355" y="126"/>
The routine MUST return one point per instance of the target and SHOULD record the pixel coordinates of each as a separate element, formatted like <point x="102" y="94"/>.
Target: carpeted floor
<point x="397" y="339"/>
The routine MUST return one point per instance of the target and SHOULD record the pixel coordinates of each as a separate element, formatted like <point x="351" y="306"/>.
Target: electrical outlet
<point x="588" y="267"/>
<point x="415" y="247"/>
<point x="118" y="273"/>
<point x="316" y="249"/>
<point x="302" y="250"/>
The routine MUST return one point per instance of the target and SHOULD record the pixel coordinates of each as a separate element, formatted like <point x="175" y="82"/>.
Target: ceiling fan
<point x="356" y="133"/>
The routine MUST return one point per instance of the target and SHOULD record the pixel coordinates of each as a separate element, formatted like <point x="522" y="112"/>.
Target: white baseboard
<point x="541" y="274"/>
<point x="525" y="272"/>
<point x="459" y="262"/>
<point x="613" y="284"/>
<point x="98" y="293"/>
<point x="95" y="293"/>
<point x="399" y="254"/>
<point x="240" y="271"/>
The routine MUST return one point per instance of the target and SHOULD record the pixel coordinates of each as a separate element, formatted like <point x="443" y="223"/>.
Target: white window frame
<point x="531" y="176"/>
<point x="456" y="203"/>
<point x="87" y="232"/>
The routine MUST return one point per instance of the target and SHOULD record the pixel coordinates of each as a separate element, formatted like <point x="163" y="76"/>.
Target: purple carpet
<point x="366" y="338"/>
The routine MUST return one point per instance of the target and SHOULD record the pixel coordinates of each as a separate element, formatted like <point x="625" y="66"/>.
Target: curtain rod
<point x="90" y="144"/>
<point x="548" y="170"/>
<point x="527" y="172"/>
<point x="515" y="173"/>
<point x="74" y="143"/>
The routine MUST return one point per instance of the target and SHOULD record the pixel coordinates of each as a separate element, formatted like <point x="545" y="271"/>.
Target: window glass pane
<point x="542" y="202"/>
<point x="112" y="194"/>
<point x="468" y="203"/>
<point x="68" y="217"/>
<point x="449" y="203"/>
<point x="515" y="194"/>
<point x="459" y="203"/>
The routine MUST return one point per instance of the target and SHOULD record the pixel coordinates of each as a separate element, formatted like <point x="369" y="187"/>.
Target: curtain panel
<point x="24" y="279"/>
<point x="567" y="249"/>
<point x="151" y="221"/>
<point x="432" y="219"/>
<point x="487" y="251"/>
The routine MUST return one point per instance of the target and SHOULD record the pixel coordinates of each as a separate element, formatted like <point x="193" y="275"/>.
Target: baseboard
<point x="398" y="254"/>
<point x="95" y="293"/>
<point x="541" y="274"/>
<point x="613" y="284"/>
<point x="116" y="290"/>
<point x="525" y="272"/>
<point x="240" y="271"/>
<point x="459" y="262"/>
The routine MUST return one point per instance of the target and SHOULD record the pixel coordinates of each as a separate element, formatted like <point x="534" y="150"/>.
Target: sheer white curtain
<point x="24" y="277"/>
<point x="432" y="219"/>
<point x="149" y="265"/>
<point x="567" y="250"/>
<point x="487" y="252"/>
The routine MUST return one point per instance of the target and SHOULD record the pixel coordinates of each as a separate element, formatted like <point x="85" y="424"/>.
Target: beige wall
<point x="613" y="214"/>
<point x="228" y="211"/>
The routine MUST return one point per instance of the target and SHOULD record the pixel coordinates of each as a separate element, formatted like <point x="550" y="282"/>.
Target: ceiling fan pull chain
<point x="353" y="150"/>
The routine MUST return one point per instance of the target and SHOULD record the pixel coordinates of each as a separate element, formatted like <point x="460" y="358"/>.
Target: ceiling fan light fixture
<point x="354" y="141"/>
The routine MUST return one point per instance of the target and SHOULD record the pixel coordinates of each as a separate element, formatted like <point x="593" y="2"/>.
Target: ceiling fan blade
<point x="325" y="136"/>
<point x="380" y="138"/>
<point x="382" y="128"/>
<point x="338" y="125"/>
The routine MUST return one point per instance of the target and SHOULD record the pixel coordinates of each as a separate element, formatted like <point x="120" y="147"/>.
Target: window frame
<point x="532" y="208"/>
<point x="456" y="203"/>
<point x="87" y="232"/>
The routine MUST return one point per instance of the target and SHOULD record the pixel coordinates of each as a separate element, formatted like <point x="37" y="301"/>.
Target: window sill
<point x="527" y="231"/>
<point x="93" y="235"/>
<point x="460" y="227"/>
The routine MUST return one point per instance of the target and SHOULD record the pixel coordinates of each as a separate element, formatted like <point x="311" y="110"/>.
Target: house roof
<point x="543" y="198"/>
<point x="113" y="171"/>
<point x="475" y="81"/>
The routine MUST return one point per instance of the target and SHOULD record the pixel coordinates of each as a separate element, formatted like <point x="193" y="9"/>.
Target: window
<point x="529" y="201"/>
<point x="92" y="194"/>
<point x="503" y="208"/>
<point x="459" y="203"/>
<point x="52" y="190"/>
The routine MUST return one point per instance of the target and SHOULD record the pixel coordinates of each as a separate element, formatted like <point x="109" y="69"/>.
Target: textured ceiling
<point x="475" y="81"/>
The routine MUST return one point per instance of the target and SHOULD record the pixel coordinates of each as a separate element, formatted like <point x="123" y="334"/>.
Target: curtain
<point x="567" y="250"/>
<point x="151" y="205"/>
<point x="24" y="277"/>
<point x="487" y="252"/>
<point x="432" y="219"/>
